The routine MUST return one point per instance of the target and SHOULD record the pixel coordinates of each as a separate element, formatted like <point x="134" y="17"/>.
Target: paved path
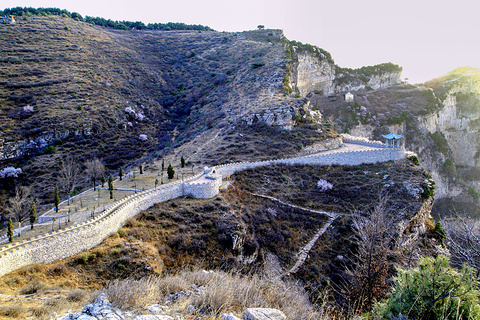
<point x="302" y="255"/>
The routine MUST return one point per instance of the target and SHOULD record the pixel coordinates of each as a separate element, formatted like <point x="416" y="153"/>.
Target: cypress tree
<point x="163" y="165"/>
<point x="120" y="173"/>
<point x="103" y="180"/>
<point x="56" y="198"/>
<point x="182" y="161"/>
<point x="141" y="169"/>
<point x="10" y="230"/>
<point x="110" y="186"/>
<point x="33" y="214"/>
<point x="170" y="172"/>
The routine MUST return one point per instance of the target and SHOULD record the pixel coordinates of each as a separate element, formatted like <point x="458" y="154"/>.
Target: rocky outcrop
<point x="102" y="309"/>
<point x="375" y="82"/>
<point x="311" y="74"/>
<point x="281" y="115"/>
<point x="36" y="144"/>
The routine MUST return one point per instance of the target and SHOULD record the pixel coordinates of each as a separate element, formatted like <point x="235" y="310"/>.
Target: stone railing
<point x="70" y="241"/>
<point x="339" y="158"/>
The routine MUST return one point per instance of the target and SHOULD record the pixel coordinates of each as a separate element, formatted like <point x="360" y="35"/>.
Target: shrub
<point x="122" y="233"/>
<point x="428" y="189"/>
<point x="414" y="160"/>
<point x="473" y="193"/>
<point x="439" y="232"/>
<point x="258" y="64"/>
<point x="50" y="150"/>
<point x="432" y="290"/>
<point x="13" y="311"/>
<point x="76" y="295"/>
<point x="33" y="287"/>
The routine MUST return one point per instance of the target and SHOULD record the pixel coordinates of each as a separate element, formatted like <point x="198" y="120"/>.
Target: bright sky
<point x="426" y="37"/>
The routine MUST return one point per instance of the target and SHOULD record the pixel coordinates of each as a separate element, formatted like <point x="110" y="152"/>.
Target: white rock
<point x="86" y="317"/>
<point x="263" y="314"/>
<point x="229" y="316"/>
<point x="153" y="317"/>
<point x="157" y="309"/>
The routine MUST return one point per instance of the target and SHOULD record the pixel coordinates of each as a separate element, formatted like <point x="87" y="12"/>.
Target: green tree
<point x="163" y="165"/>
<point x="10" y="230"/>
<point x="156" y="183"/>
<point x="141" y="169"/>
<point x="170" y="172"/>
<point x="33" y="214"/>
<point x="432" y="290"/>
<point x="103" y="180"/>
<point x="120" y="173"/>
<point x="56" y="198"/>
<point x="110" y="186"/>
<point x="182" y="161"/>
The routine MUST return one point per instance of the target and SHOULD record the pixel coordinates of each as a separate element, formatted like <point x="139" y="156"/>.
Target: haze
<point x="427" y="38"/>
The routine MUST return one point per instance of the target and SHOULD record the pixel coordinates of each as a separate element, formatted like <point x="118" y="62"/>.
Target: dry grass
<point x="215" y="293"/>
<point x="12" y="311"/>
<point x="33" y="287"/>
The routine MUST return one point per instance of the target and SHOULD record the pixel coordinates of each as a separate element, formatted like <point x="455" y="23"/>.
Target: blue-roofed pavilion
<point x="391" y="138"/>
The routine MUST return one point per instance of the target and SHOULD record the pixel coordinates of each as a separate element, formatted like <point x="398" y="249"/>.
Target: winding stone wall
<point x="67" y="242"/>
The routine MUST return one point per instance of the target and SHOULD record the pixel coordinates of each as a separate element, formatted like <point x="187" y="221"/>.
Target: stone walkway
<point x="302" y="255"/>
<point x="126" y="207"/>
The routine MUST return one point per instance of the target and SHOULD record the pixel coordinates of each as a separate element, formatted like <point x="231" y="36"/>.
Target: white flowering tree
<point x="10" y="172"/>
<point x="324" y="185"/>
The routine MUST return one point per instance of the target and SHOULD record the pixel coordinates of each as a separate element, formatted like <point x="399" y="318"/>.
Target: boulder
<point x="229" y="316"/>
<point x="263" y="314"/>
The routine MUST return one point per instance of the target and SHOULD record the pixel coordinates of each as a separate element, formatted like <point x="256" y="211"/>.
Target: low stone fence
<point x="365" y="143"/>
<point x="339" y="158"/>
<point x="70" y="241"/>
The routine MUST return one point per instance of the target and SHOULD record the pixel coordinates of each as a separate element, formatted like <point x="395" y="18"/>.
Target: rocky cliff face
<point x="311" y="74"/>
<point x="440" y="121"/>
<point x="314" y="72"/>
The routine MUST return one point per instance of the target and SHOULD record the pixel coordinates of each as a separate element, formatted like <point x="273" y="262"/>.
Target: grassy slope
<point x="191" y="233"/>
<point x="76" y="76"/>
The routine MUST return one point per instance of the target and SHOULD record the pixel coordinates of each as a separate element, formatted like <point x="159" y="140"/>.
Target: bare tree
<point x="367" y="280"/>
<point x="68" y="175"/>
<point x="463" y="241"/>
<point x="94" y="169"/>
<point x="18" y="206"/>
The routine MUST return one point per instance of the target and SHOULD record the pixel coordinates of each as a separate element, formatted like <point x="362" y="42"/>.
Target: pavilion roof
<point x="392" y="136"/>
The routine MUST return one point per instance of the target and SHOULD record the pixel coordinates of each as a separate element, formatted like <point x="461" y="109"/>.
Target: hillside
<point x="140" y="96"/>
<point x="91" y="92"/>
<point x="239" y="230"/>
<point x="439" y="121"/>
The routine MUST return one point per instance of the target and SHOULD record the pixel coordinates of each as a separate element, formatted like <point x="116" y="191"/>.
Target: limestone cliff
<point x="440" y="121"/>
<point x="314" y="71"/>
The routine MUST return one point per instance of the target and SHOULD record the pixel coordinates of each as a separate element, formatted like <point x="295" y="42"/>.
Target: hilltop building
<point x="349" y="97"/>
